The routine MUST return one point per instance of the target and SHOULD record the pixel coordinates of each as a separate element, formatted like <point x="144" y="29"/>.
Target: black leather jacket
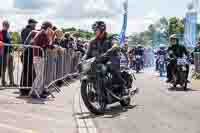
<point x="98" y="47"/>
<point x="177" y="51"/>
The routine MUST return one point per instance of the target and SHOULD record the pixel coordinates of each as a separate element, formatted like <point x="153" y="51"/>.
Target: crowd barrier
<point x="19" y="68"/>
<point x="197" y="62"/>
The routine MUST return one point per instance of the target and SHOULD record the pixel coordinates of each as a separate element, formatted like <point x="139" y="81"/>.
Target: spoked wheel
<point x="93" y="98"/>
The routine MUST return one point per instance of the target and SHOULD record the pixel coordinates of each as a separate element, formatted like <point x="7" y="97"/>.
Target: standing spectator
<point x="67" y="41"/>
<point x="80" y="47"/>
<point x="7" y="56"/>
<point x="58" y="37"/>
<point x="43" y="40"/>
<point x="27" y="30"/>
<point x="28" y="73"/>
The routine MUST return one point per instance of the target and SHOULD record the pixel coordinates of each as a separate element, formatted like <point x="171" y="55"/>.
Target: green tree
<point x="15" y="39"/>
<point x="176" y="26"/>
<point x="72" y="29"/>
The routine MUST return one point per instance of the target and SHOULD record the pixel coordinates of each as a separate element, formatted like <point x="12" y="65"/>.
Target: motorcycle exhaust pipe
<point x="134" y="92"/>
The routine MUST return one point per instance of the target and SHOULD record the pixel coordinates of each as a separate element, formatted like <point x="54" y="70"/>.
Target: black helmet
<point x="99" y="25"/>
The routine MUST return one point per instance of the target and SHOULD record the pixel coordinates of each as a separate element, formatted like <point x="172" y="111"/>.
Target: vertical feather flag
<point x="124" y="26"/>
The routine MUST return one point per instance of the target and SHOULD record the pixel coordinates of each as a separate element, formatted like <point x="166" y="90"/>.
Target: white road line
<point x="84" y="125"/>
<point x="16" y="130"/>
<point x="82" y="128"/>
<point x="89" y="121"/>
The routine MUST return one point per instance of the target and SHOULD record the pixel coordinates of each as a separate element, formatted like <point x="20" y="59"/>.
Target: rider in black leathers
<point x="100" y="45"/>
<point x="140" y="51"/>
<point x="162" y="51"/>
<point x="175" y="51"/>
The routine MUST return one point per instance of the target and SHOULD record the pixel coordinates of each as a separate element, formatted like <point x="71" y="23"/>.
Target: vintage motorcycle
<point x="162" y="65"/>
<point x="138" y="63"/>
<point x="180" y="74"/>
<point x="98" y="88"/>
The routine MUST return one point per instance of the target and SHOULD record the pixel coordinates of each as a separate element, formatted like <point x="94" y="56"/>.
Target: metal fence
<point x="197" y="62"/>
<point x="27" y="67"/>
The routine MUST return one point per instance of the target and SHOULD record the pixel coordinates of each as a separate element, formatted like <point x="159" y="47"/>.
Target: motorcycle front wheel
<point x="93" y="99"/>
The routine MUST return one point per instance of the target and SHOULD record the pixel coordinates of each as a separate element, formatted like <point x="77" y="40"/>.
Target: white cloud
<point x="82" y="13"/>
<point x="152" y="15"/>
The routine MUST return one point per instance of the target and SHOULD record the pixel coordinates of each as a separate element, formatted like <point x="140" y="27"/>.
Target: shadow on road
<point x="180" y="89"/>
<point x="111" y="112"/>
<point x="34" y="101"/>
<point x="16" y="92"/>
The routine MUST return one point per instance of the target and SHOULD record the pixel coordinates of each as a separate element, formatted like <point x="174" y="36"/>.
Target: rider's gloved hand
<point x="116" y="47"/>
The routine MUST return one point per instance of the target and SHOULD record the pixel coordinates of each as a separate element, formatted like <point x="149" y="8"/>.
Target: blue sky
<point x="81" y="13"/>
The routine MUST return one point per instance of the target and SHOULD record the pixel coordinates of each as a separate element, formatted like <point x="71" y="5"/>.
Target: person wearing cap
<point x="175" y="50"/>
<point x="67" y="41"/>
<point x="28" y="73"/>
<point x="6" y="55"/>
<point x="43" y="39"/>
<point x="27" y="30"/>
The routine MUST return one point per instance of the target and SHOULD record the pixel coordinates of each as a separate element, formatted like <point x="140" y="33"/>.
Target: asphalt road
<point x="26" y="115"/>
<point x="156" y="109"/>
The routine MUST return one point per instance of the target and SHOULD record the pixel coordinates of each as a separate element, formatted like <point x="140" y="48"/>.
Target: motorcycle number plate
<point x="181" y="62"/>
<point x="162" y="60"/>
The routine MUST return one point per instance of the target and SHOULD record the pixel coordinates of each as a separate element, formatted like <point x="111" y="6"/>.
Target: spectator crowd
<point x="48" y="39"/>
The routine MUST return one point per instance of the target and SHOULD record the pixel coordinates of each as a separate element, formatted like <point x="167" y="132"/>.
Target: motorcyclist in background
<point x="80" y="47"/>
<point x="161" y="51"/>
<point x="140" y="51"/>
<point x="131" y="55"/>
<point x="175" y="51"/>
<point x="100" y="45"/>
<point x="196" y="50"/>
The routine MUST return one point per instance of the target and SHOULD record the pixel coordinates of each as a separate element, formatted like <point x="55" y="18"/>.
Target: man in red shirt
<point x="43" y="41"/>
